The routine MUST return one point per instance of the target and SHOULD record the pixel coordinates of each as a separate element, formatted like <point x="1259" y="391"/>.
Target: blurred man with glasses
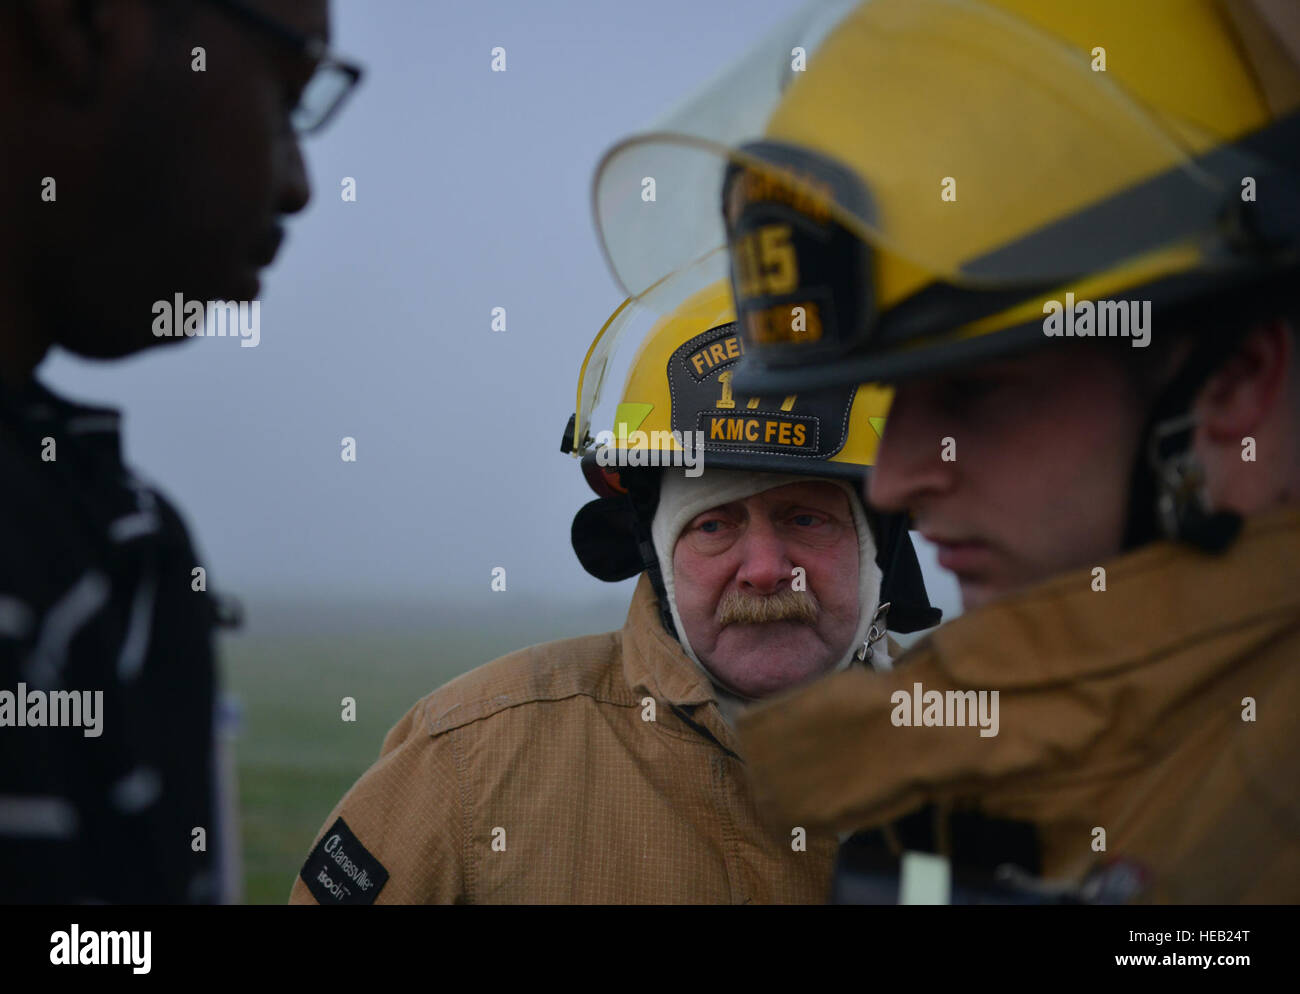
<point x="135" y="168"/>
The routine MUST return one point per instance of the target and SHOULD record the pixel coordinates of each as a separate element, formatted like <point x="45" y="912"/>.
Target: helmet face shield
<point x="686" y="293"/>
<point x="869" y="151"/>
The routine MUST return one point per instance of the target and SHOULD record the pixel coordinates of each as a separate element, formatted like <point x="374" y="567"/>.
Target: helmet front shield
<point x="951" y="142"/>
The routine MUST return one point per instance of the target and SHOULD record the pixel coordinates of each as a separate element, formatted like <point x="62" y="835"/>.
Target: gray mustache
<point x="786" y="605"/>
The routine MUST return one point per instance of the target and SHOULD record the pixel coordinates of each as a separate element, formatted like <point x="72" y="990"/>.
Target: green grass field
<point x="297" y="757"/>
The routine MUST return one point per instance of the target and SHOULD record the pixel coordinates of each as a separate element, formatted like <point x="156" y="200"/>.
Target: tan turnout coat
<point x="1124" y="709"/>
<point x="540" y="778"/>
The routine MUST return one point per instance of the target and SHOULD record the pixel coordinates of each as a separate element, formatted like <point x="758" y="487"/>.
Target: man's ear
<point x="1246" y="389"/>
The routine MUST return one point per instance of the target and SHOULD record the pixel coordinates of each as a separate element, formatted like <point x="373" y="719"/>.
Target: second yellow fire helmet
<point x="680" y="409"/>
<point x="902" y="186"/>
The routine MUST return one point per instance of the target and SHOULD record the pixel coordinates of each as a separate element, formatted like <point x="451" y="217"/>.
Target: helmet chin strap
<point x="1182" y="502"/>
<point x="1168" y="495"/>
<point x="1168" y="498"/>
<point x="879" y="625"/>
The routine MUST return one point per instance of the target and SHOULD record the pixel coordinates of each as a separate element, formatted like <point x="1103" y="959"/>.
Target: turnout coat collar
<point x="653" y="660"/>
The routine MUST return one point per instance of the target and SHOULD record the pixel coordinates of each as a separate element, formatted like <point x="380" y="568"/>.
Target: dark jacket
<point x="96" y="595"/>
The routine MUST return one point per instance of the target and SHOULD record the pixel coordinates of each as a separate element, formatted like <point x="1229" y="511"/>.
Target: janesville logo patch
<point x="340" y="870"/>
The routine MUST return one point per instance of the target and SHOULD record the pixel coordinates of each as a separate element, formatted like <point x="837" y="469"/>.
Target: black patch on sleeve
<point x="341" y="871"/>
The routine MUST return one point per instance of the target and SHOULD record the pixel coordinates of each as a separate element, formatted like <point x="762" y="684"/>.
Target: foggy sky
<point x="473" y="192"/>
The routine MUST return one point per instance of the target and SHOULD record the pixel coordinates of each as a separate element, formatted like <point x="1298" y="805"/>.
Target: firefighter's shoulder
<point x="589" y="666"/>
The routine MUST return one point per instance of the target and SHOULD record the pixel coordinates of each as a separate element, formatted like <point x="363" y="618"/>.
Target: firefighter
<point x="605" y="769"/>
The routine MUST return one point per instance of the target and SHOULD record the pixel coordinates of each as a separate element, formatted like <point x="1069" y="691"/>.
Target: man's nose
<point x="765" y="563"/>
<point x="909" y="462"/>
<point x="295" y="188"/>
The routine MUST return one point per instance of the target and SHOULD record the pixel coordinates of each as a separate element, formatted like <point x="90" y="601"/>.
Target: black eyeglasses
<point x="331" y="81"/>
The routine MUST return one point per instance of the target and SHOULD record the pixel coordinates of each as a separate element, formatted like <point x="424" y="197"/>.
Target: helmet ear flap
<point x="604" y="538"/>
<point x="904" y="585"/>
<point x="611" y="537"/>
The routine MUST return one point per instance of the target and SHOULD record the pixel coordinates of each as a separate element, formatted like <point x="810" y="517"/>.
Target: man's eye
<point x="710" y="527"/>
<point x="806" y="520"/>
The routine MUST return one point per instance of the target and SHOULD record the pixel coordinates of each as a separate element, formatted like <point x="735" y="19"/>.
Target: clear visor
<point x="978" y="146"/>
<point x="633" y="321"/>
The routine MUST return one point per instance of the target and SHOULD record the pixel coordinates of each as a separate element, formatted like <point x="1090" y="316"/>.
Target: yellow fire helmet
<point x="921" y="175"/>
<point x="679" y="409"/>
<point x="898" y="187"/>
